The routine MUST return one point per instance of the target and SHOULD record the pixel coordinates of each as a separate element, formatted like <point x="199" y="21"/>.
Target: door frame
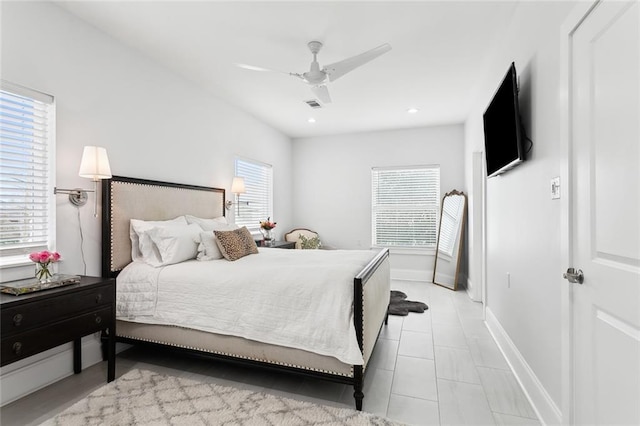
<point x="568" y="28"/>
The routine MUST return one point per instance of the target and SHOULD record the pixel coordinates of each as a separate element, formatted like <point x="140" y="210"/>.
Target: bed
<point x="367" y="300"/>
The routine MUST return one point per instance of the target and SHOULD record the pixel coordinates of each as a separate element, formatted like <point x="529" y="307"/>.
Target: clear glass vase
<point x="267" y="234"/>
<point x="43" y="274"/>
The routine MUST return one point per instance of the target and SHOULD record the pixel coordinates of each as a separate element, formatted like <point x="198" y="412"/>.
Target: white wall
<point x="332" y="183"/>
<point x="523" y="223"/>
<point x="154" y="124"/>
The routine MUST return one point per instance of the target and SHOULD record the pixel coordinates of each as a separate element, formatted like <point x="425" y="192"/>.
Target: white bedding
<point x="295" y="298"/>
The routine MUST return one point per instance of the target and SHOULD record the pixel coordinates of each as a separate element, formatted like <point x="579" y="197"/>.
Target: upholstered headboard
<point x="126" y="198"/>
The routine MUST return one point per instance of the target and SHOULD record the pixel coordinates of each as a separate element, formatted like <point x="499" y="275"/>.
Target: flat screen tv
<point x="503" y="135"/>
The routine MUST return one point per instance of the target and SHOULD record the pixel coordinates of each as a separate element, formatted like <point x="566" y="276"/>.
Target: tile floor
<point x="437" y="368"/>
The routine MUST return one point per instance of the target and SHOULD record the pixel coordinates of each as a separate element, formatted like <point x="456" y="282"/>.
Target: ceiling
<point x="440" y="50"/>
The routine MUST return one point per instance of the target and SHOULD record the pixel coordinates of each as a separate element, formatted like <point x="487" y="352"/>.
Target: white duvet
<point x="295" y="298"/>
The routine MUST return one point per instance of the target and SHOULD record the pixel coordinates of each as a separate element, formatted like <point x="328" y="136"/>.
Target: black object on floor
<point x="400" y="306"/>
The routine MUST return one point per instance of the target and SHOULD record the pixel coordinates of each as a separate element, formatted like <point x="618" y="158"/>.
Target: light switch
<point x="555" y="188"/>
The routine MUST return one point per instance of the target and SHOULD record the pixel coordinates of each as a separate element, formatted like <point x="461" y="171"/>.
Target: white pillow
<point x="208" y="248"/>
<point x="142" y="248"/>
<point x="207" y="224"/>
<point x="175" y="243"/>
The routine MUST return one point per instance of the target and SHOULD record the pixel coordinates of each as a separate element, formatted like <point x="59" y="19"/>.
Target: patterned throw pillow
<point x="309" y="243"/>
<point x="236" y="244"/>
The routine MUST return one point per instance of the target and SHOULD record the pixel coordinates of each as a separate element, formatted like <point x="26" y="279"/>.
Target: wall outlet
<point x="508" y="280"/>
<point x="555" y="188"/>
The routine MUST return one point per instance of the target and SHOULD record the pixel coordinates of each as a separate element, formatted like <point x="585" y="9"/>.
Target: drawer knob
<point x="17" y="348"/>
<point x="99" y="298"/>
<point x="17" y="320"/>
<point x="98" y="320"/>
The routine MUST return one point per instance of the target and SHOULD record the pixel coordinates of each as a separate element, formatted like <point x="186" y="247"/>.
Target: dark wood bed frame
<point x="358" y="296"/>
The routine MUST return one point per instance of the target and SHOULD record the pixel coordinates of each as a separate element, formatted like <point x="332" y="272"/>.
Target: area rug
<point x="400" y="306"/>
<point x="142" y="397"/>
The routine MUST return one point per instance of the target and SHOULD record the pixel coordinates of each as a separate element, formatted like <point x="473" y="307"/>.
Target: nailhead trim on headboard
<point x="153" y="200"/>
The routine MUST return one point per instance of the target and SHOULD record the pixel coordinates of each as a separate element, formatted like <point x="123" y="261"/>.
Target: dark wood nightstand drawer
<point x="22" y="345"/>
<point x="16" y="319"/>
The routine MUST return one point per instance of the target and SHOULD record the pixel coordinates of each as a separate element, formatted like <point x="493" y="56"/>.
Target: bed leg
<point x="359" y="396"/>
<point x="104" y="342"/>
<point x="357" y="386"/>
<point x="386" y="318"/>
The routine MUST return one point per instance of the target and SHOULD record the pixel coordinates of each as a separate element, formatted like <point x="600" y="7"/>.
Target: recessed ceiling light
<point x="311" y="120"/>
<point x="412" y="110"/>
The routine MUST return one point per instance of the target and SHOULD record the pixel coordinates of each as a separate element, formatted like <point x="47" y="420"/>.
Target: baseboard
<point x="42" y="370"/>
<point x="469" y="287"/>
<point x="472" y="291"/>
<point x="411" y="275"/>
<point x="546" y="410"/>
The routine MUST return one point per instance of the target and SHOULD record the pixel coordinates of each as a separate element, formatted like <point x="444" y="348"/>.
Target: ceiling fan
<point x="318" y="77"/>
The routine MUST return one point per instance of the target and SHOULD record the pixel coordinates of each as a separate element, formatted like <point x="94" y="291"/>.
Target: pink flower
<point x="44" y="256"/>
<point x="267" y="224"/>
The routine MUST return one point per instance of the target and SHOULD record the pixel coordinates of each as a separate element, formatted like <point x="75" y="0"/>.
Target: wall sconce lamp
<point x="94" y="166"/>
<point x="237" y="187"/>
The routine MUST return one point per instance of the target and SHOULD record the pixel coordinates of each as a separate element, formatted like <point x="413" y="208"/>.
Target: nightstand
<point x="277" y="244"/>
<point x="34" y="322"/>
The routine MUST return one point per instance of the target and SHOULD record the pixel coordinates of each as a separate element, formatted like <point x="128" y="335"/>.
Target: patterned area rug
<point x="143" y="397"/>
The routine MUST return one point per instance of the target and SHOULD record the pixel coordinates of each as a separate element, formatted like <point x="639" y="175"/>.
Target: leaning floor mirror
<point x="446" y="269"/>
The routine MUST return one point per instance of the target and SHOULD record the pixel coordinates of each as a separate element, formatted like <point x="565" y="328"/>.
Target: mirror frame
<point x="463" y="224"/>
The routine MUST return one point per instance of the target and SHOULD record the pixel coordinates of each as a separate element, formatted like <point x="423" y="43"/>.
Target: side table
<point x="34" y="322"/>
<point x="277" y="244"/>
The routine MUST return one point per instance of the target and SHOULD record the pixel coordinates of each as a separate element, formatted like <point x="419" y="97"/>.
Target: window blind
<point x="405" y="206"/>
<point x="26" y="152"/>
<point x="258" y="182"/>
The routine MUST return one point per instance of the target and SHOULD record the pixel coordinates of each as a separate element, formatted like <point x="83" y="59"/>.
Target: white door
<point x="604" y="152"/>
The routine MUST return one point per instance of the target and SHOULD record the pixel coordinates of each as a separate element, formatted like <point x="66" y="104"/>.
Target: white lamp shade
<point x="95" y="163"/>
<point x="237" y="185"/>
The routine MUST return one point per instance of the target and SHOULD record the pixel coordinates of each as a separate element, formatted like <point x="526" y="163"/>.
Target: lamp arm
<point x="78" y="196"/>
<point x="57" y="190"/>
<point x="230" y="203"/>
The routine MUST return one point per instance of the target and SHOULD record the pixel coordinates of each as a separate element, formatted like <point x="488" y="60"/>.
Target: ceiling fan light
<point x="315" y="77"/>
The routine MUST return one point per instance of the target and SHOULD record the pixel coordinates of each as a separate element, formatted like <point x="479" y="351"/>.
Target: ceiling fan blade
<point x="254" y="68"/>
<point x="322" y="93"/>
<point x="338" y="69"/>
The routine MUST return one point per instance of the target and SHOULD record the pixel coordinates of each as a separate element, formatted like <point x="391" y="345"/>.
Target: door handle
<point x="574" y="276"/>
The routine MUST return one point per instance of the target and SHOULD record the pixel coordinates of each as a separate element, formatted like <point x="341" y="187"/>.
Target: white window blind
<point x="405" y="206"/>
<point x="26" y="158"/>
<point x="258" y="182"/>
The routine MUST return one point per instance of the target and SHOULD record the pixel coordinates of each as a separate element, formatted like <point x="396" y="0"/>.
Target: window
<point x="27" y="152"/>
<point x="258" y="182"/>
<point x="405" y="206"/>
